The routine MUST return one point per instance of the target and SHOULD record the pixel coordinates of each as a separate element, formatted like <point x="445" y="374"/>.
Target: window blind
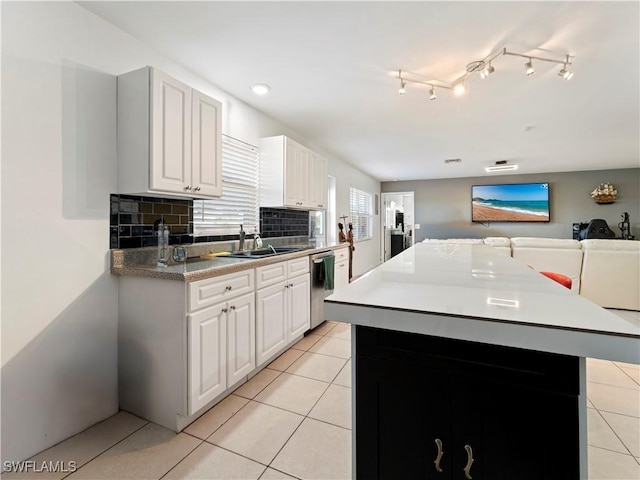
<point x="238" y="204"/>
<point x="361" y="210"/>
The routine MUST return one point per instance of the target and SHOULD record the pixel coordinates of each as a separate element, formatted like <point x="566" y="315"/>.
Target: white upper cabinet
<point x="291" y="175"/>
<point x="206" y="149"/>
<point x="169" y="137"/>
<point x="318" y="186"/>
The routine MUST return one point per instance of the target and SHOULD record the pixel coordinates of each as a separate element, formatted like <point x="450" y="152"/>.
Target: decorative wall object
<point x="605" y="193"/>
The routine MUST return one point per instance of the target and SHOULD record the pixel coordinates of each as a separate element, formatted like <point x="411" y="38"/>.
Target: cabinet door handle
<point x="439" y="456"/>
<point x="232" y="307"/>
<point x="291" y="285"/>
<point x="188" y="187"/>
<point x="197" y="189"/>
<point x="228" y="288"/>
<point x="467" y="468"/>
<point x="224" y="310"/>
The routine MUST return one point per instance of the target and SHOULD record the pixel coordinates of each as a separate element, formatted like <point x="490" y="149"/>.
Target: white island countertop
<point x="473" y="292"/>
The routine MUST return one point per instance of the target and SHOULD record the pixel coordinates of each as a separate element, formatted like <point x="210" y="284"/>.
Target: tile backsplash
<point x="280" y="222"/>
<point x="133" y="219"/>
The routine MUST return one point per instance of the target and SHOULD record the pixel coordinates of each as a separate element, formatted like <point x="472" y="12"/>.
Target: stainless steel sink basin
<point x="267" y="252"/>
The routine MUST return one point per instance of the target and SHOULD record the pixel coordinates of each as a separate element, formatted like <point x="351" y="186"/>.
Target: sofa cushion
<point x="498" y="241"/>
<point x="551" y="255"/>
<point x="545" y="242"/>
<point x="617" y="245"/>
<point x="611" y="273"/>
<point x="453" y="240"/>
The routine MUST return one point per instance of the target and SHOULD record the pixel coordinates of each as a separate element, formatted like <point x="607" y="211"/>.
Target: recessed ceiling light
<point x="501" y="167"/>
<point x="260" y="88"/>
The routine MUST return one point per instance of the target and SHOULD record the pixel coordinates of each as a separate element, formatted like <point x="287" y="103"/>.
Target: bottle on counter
<point x="163" y="245"/>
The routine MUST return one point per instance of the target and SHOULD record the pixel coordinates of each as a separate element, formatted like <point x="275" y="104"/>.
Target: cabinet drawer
<point x="297" y="267"/>
<point x="342" y="254"/>
<point x="271" y="274"/>
<point x="520" y="367"/>
<point x="203" y="293"/>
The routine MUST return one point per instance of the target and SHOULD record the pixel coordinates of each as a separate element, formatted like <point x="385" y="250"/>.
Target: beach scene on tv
<point x="524" y="202"/>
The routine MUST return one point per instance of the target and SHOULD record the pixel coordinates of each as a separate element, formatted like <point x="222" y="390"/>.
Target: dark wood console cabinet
<point x="512" y="411"/>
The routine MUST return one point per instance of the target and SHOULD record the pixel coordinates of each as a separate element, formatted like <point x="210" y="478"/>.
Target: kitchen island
<point x="468" y="364"/>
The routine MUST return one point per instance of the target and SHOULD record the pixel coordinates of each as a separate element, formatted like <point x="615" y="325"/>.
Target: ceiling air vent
<point x="453" y="160"/>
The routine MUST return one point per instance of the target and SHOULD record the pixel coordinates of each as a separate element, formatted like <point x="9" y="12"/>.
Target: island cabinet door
<point x="403" y="421"/>
<point x="503" y="431"/>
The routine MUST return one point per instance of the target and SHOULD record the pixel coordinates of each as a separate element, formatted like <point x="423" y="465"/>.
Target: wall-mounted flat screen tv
<point x="516" y="202"/>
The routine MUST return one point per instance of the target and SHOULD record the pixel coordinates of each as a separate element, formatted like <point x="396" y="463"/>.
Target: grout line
<point x="280" y="471"/>
<point x="183" y="458"/>
<point x="239" y="395"/>
<point x="616" y="434"/>
<point x="108" y="448"/>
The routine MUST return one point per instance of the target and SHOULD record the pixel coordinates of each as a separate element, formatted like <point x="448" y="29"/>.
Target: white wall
<point x="59" y="308"/>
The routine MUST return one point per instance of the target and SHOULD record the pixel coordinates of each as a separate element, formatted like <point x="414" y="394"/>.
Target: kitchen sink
<point x="267" y="252"/>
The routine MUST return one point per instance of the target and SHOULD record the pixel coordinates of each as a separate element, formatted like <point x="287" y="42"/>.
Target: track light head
<point x="432" y="94"/>
<point x="564" y="73"/>
<point x="402" y="89"/>
<point x="459" y="88"/>
<point x="488" y="70"/>
<point x="529" y="68"/>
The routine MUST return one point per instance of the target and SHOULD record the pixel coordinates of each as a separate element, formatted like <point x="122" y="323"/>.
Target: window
<point x="238" y="204"/>
<point x="361" y="210"/>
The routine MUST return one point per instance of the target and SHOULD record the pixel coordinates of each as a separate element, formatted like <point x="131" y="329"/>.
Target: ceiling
<point x="330" y="67"/>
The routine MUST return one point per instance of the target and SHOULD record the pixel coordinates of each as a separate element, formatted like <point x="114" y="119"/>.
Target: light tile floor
<point x="293" y="420"/>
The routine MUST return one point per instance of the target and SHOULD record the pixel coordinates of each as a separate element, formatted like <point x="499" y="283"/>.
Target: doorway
<point x="397" y="223"/>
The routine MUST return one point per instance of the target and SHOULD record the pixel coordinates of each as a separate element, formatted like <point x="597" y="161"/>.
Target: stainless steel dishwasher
<point x="318" y="293"/>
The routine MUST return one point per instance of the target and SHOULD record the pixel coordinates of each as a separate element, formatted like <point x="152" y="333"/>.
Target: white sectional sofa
<point x="550" y="254"/>
<point x="606" y="272"/>
<point x="502" y="244"/>
<point x="611" y="273"/>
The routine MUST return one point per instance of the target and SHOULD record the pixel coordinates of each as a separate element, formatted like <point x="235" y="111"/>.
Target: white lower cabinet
<point x="207" y="355"/>
<point x="183" y="346"/>
<point x="341" y="272"/>
<point x="283" y="307"/>
<point x="221" y="348"/>
<point x="271" y="321"/>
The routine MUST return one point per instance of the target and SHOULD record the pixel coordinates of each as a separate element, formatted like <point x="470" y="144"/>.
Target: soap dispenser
<point x="257" y="241"/>
<point x="163" y="244"/>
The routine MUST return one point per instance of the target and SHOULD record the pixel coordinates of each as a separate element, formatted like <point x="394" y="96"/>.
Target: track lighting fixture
<point x="488" y="70"/>
<point x="484" y="67"/>
<point x="529" y="68"/>
<point x="459" y="88"/>
<point x="564" y="73"/>
<point x="403" y="84"/>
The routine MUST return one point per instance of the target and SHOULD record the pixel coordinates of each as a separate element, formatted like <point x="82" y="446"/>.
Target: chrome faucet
<point x="272" y="249"/>
<point x="241" y="241"/>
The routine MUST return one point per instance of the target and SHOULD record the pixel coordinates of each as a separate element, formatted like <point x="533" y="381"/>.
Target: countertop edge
<point x="582" y="343"/>
<point x="151" y="271"/>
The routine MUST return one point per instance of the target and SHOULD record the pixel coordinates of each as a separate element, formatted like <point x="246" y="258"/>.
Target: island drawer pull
<point x="467" y="468"/>
<point x="439" y="456"/>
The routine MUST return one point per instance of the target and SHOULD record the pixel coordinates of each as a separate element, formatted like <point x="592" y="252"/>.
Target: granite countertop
<point x="141" y="262"/>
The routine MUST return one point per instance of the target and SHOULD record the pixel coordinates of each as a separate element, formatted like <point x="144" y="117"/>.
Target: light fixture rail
<point x="485" y="68"/>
